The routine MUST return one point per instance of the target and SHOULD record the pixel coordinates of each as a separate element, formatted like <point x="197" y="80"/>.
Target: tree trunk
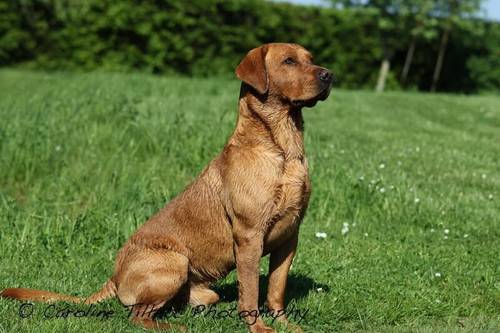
<point x="382" y="76"/>
<point x="408" y="61"/>
<point x="439" y="62"/>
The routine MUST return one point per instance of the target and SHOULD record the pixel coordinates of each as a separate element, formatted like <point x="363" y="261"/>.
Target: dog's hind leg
<point x="147" y="280"/>
<point x="200" y="294"/>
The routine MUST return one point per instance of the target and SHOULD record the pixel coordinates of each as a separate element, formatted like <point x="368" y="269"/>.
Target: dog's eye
<point x="289" y="61"/>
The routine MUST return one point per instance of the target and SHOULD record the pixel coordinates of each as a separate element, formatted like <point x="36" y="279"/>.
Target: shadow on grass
<point x="298" y="287"/>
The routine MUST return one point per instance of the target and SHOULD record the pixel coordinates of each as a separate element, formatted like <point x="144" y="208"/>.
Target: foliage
<point x="484" y="66"/>
<point x="209" y="37"/>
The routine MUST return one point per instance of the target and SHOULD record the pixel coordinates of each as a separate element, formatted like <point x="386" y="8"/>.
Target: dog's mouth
<point x="323" y="95"/>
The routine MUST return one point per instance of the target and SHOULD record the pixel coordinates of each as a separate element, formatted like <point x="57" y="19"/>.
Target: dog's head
<point x="287" y="72"/>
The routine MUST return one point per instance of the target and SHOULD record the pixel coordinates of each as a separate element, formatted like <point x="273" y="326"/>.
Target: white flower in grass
<point x="382" y="190"/>
<point x="417" y="200"/>
<point x="345" y="228"/>
<point x="483" y="176"/>
<point x="381" y="166"/>
<point x="321" y="235"/>
<point x="366" y="234"/>
<point x="490" y="196"/>
<point x="447" y="231"/>
<point x="361" y="178"/>
<point x="466" y="235"/>
<point x="319" y="290"/>
<point x="432" y="230"/>
<point x="437" y="274"/>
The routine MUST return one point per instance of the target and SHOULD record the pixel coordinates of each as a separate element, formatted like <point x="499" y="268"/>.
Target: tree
<point x="484" y="65"/>
<point x="421" y="25"/>
<point x="388" y="22"/>
<point x="453" y="13"/>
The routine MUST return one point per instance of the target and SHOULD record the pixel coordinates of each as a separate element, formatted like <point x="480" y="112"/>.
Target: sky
<point x="491" y="8"/>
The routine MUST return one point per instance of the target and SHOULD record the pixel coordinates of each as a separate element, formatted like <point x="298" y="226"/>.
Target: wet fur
<point x="248" y="202"/>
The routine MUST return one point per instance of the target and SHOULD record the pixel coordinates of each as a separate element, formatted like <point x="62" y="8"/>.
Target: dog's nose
<point x="325" y="76"/>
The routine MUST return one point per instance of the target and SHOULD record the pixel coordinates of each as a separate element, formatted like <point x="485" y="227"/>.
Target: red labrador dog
<point x="248" y="202"/>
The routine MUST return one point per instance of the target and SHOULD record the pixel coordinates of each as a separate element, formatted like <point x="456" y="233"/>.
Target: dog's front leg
<point x="279" y="266"/>
<point x="248" y="251"/>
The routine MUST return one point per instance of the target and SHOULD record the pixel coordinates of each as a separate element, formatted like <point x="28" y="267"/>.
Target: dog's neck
<point x="264" y="119"/>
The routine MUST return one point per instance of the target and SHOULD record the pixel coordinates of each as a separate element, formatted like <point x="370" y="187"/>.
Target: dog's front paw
<point x="291" y="327"/>
<point x="261" y="329"/>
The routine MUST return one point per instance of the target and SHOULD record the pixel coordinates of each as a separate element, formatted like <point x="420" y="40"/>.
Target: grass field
<point x="406" y="187"/>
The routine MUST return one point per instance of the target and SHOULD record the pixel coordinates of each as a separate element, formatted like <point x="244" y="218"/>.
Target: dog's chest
<point x="294" y="186"/>
<point x="291" y="198"/>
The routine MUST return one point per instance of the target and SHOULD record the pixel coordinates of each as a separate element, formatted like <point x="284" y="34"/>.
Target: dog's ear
<point x="252" y="69"/>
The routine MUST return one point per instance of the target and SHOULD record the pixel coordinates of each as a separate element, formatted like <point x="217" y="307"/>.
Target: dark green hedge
<point x="208" y="37"/>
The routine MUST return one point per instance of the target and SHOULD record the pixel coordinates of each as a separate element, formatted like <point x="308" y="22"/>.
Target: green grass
<point x="86" y="158"/>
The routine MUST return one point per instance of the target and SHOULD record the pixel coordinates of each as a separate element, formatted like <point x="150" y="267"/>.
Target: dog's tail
<point x="25" y="294"/>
